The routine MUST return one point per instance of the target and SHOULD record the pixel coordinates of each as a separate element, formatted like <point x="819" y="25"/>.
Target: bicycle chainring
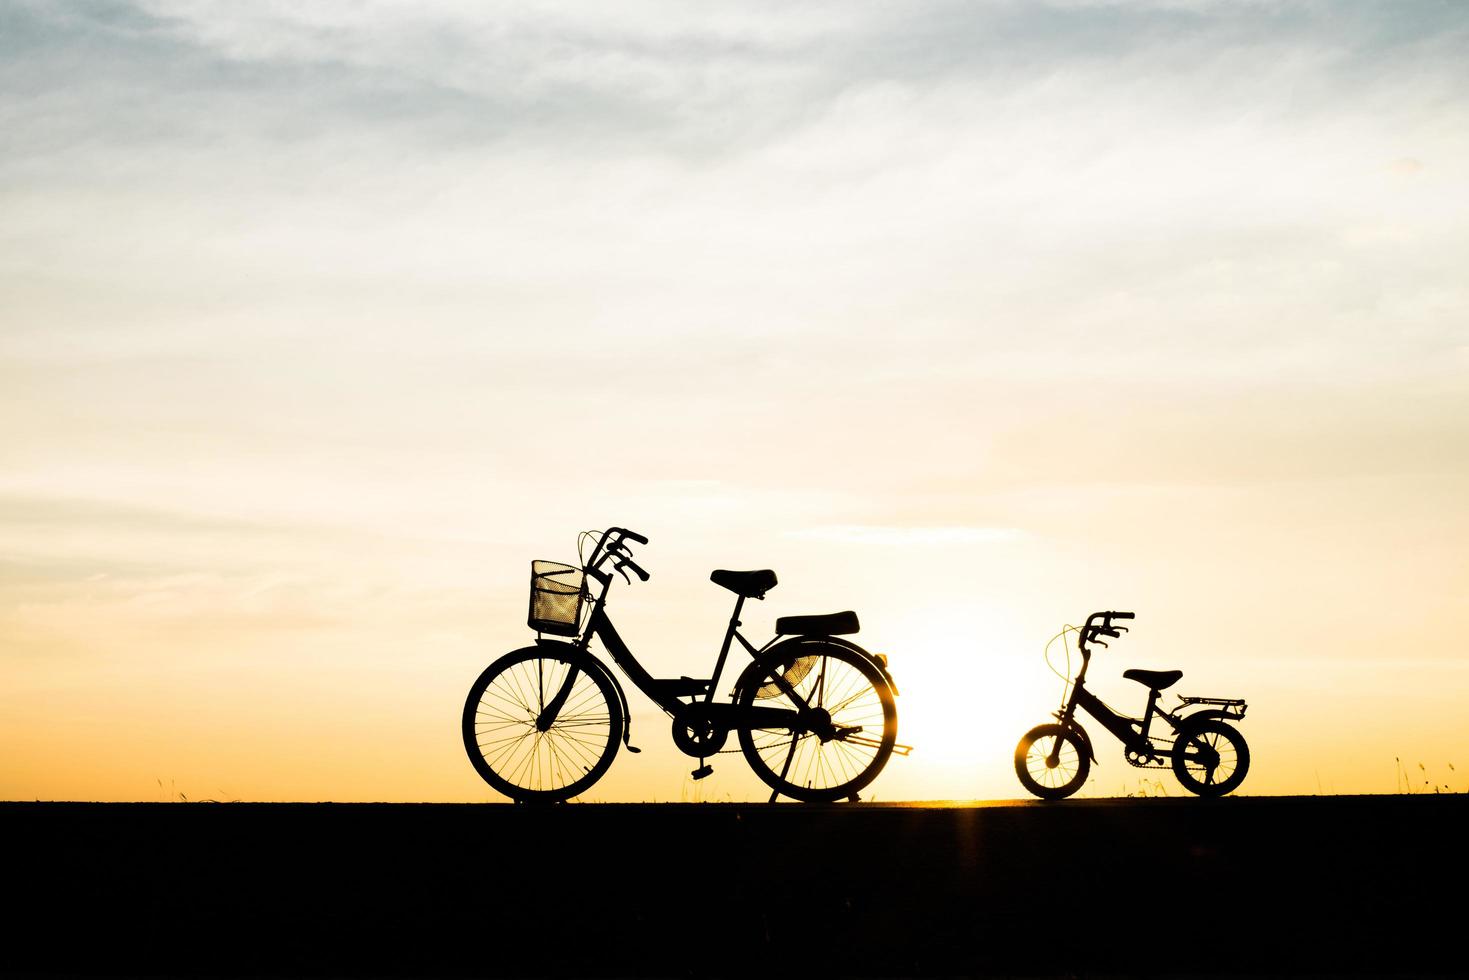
<point x="1145" y="760"/>
<point x="696" y="734"/>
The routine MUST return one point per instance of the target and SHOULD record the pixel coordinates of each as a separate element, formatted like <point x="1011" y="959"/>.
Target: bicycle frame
<point x="1131" y="732"/>
<point x="664" y="692"/>
<point x="668" y="692"/>
<point x="1120" y="725"/>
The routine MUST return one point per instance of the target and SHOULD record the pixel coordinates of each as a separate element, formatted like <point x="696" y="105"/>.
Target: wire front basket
<point x="556" y="593"/>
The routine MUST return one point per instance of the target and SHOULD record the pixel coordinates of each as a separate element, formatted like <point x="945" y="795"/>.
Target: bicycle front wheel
<point x="1052" y="762"/>
<point x="850" y="691"/>
<point x="522" y="752"/>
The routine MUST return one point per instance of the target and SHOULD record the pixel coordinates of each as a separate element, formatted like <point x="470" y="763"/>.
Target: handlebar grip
<point x="1103" y="631"/>
<point x="634" y="535"/>
<point x="1121" y="615"/>
<point x="637" y="569"/>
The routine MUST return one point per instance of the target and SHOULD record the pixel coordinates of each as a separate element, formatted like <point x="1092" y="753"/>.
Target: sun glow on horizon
<point x="962" y="695"/>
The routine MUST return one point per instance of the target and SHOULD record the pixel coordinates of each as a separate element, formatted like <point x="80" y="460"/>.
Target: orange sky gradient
<point x="317" y="325"/>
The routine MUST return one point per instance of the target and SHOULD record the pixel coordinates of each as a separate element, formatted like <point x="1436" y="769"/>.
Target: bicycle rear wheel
<point x="547" y="762"/>
<point x="1210" y="758"/>
<point x="851" y="691"/>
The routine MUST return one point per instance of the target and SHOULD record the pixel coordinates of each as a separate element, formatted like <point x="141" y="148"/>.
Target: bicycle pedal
<point x="701" y="772"/>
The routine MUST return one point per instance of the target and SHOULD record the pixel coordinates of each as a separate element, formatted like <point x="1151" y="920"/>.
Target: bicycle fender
<point x="833" y="640"/>
<point x="1206" y="714"/>
<point x="585" y="661"/>
<point x="876" y="662"/>
<point x="1085" y="740"/>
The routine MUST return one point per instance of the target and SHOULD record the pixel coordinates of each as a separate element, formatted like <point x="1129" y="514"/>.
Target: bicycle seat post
<point x="1147" y="721"/>
<point x="734" y="624"/>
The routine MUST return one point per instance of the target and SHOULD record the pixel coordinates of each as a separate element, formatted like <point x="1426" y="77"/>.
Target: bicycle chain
<point x="764" y="747"/>
<point x="737" y="749"/>
<point x="734" y="750"/>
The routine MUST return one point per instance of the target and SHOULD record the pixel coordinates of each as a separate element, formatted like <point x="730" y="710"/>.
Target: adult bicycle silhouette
<point x="814" y="713"/>
<point x="1208" y="755"/>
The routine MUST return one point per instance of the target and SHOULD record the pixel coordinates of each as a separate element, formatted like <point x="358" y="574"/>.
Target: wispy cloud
<point x="908" y="537"/>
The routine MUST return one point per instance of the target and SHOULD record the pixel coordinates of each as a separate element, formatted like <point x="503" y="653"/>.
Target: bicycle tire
<point x="853" y="690"/>
<point x="499" y="724"/>
<point x="1198" y="776"/>
<point x="1073" y="764"/>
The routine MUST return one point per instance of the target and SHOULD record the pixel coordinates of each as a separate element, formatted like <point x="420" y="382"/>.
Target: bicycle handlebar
<point x="1091" y="631"/>
<point x="613" y="545"/>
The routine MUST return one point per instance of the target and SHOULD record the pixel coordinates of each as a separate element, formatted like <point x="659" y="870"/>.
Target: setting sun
<point x="958" y="695"/>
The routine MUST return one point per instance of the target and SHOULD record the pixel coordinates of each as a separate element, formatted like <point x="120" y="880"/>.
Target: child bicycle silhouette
<point x="814" y="713"/>
<point x="1209" y="756"/>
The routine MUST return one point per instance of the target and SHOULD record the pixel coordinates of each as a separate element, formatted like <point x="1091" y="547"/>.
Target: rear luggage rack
<point x="1232" y="707"/>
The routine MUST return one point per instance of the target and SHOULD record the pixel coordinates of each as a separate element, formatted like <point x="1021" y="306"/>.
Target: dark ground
<point x="1320" y="885"/>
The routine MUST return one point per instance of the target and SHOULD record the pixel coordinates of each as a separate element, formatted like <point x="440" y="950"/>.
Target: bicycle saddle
<point x="835" y="624"/>
<point x="1158" y="680"/>
<point x="751" y="585"/>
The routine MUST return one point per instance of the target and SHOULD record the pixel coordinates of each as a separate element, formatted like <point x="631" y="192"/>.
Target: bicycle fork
<point x="552" y="708"/>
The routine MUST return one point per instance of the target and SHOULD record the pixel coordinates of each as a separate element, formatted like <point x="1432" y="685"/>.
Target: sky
<point x="320" y="321"/>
